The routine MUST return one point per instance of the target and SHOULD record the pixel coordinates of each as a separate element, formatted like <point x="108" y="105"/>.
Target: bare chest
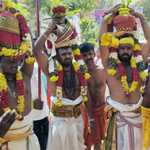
<point x="13" y="95"/>
<point x="94" y="88"/>
<point x="117" y="91"/>
<point x="94" y="85"/>
<point x="71" y="86"/>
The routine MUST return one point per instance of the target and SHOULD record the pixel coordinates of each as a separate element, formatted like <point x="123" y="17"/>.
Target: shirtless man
<point x="66" y="127"/>
<point x="96" y="88"/>
<point x="125" y="98"/>
<point x="15" y="74"/>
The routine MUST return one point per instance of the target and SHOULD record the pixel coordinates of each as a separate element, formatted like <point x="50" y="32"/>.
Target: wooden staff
<point x="37" y="8"/>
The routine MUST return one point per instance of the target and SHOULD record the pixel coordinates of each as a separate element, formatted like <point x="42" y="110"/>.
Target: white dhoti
<point x="66" y="133"/>
<point x="20" y="136"/>
<point x="129" y="133"/>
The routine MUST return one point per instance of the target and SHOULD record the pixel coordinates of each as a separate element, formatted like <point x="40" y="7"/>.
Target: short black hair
<point x="86" y="47"/>
<point x="64" y="47"/>
<point x="75" y="46"/>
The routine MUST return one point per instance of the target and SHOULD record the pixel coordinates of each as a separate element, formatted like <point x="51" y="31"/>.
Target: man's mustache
<point x="125" y="55"/>
<point x="90" y="60"/>
<point x="68" y="59"/>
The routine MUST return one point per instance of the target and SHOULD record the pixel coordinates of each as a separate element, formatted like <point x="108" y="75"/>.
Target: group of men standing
<point x="81" y="118"/>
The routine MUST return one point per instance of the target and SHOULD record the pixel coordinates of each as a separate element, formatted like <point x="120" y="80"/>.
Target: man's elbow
<point x="37" y="49"/>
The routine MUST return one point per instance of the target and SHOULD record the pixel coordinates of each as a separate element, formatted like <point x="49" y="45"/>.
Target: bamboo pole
<point x="37" y="10"/>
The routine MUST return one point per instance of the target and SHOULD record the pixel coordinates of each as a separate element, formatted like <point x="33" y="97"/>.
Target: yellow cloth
<point x="146" y="126"/>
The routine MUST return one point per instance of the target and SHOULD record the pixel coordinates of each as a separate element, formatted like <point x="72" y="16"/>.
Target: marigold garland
<point x="59" y="82"/>
<point x="139" y="72"/>
<point x="57" y="75"/>
<point x="9" y="52"/>
<point x="19" y="90"/>
<point x="134" y="85"/>
<point x="23" y="51"/>
<point x="81" y="63"/>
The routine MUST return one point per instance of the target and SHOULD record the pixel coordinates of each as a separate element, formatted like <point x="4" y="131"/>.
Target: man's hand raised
<point x="113" y="10"/>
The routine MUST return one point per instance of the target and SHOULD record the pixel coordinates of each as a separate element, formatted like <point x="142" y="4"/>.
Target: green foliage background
<point x="89" y="27"/>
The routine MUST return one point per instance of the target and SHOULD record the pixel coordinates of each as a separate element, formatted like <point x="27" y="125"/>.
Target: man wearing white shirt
<point x="41" y="109"/>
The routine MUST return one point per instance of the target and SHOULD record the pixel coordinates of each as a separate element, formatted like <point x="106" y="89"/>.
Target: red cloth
<point x="8" y="38"/>
<point x="100" y="123"/>
<point x="23" y="25"/>
<point x="125" y="23"/>
<point x="59" y="9"/>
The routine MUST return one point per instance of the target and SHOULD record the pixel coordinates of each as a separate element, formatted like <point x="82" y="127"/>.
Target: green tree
<point x="89" y="27"/>
<point x="146" y="8"/>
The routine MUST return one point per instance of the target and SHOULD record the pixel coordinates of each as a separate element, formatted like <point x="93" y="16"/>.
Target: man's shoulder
<point x="98" y="63"/>
<point x="100" y="71"/>
<point x="98" y="75"/>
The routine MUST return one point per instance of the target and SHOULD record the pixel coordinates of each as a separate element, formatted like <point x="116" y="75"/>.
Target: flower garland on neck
<point x="81" y="71"/>
<point x="20" y="90"/>
<point x="138" y="66"/>
<point x="24" y="51"/>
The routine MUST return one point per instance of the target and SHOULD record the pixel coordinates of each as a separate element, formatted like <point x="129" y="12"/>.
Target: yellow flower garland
<point x="110" y="40"/>
<point x="30" y="60"/>
<point x="3" y="82"/>
<point x="76" y="66"/>
<point x="87" y="76"/>
<point x="76" y="52"/>
<point x="9" y="52"/>
<point x="25" y="48"/>
<point x="143" y="75"/>
<point x="54" y="78"/>
<point x="21" y="98"/>
<point x="111" y="71"/>
<point x="106" y="39"/>
<point x="59" y="67"/>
